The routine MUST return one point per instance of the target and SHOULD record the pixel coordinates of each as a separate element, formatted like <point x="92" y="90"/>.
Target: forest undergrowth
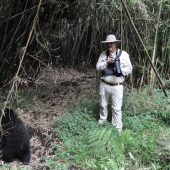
<point x="62" y="112"/>
<point x="144" y="144"/>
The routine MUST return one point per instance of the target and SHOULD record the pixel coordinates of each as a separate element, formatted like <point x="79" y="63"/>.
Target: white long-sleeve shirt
<point x="125" y="65"/>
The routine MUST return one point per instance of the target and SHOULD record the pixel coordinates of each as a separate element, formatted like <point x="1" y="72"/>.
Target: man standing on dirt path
<point x="114" y="64"/>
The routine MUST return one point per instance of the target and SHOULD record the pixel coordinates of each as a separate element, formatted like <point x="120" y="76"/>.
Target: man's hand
<point x="110" y="61"/>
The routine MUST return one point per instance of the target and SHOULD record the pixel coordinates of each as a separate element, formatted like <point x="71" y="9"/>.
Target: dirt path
<point x="57" y="90"/>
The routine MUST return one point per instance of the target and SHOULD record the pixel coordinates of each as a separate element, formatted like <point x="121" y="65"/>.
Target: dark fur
<point x="14" y="139"/>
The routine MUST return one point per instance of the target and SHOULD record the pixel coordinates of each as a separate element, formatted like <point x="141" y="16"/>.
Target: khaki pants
<point x="116" y="94"/>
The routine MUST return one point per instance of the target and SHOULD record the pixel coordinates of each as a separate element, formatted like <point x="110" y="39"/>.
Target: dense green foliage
<point x="86" y="144"/>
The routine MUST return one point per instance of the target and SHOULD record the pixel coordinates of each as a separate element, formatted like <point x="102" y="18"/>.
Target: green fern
<point x="104" y="141"/>
<point x="102" y="164"/>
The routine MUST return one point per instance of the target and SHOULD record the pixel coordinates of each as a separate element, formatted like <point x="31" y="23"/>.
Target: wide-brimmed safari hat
<point x="110" y="38"/>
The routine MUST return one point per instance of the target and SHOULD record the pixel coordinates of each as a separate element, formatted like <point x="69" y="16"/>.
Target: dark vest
<point x="114" y="68"/>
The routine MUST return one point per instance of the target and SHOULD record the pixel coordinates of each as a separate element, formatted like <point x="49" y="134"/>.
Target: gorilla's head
<point x="7" y="115"/>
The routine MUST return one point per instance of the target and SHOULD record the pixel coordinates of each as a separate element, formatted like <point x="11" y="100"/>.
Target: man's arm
<point x="102" y="62"/>
<point x="126" y="66"/>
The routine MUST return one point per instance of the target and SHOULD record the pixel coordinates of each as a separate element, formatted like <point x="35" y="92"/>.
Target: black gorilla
<point x="14" y="138"/>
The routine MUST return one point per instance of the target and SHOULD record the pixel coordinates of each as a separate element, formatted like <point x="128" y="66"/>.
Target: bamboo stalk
<point x="152" y="75"/>
<point x="121" y="26"/>
<point x="15" y="32"/>
<point x="22" y="57"/>
<point x="145" y="49"/>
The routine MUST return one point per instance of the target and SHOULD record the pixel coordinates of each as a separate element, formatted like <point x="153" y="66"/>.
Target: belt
<point x="112" y="84"/>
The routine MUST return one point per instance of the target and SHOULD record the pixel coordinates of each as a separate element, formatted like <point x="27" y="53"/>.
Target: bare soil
<point x="59" y="89"/>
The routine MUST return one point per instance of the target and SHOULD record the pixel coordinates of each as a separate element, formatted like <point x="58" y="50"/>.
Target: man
<point x="114" y="64"/>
